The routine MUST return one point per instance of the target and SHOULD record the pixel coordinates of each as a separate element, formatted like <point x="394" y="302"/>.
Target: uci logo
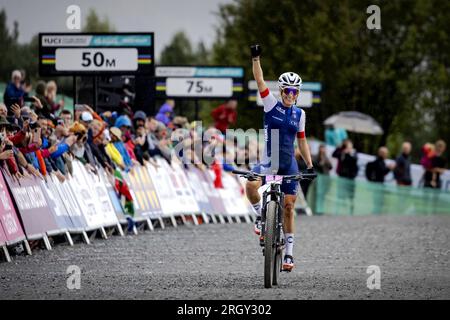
<point x="51" y="40"/>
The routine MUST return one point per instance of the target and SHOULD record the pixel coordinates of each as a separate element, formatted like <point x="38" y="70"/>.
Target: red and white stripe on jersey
<point x="268" y="99"/>
<point x="301" y="127"/>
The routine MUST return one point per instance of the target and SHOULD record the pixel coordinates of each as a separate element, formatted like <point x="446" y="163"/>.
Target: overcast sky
<point x="164" y="17"/>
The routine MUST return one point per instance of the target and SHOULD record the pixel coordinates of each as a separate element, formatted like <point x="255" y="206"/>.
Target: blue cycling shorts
<point x="288" y="186"/>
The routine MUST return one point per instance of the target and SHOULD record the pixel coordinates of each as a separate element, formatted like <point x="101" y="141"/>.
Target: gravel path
<point x="225" y="262"/>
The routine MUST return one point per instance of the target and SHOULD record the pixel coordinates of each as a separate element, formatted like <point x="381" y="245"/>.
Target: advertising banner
<point x="117" y="206"/>
<point x="165" y="189"/>
<point x="233" y="198"/>
<point x="55" y="204"/>
<point x="212" y="193"/>
<point x="187" y="198"/>
<point x="92" y="197"/>
<point x="149" y="190"/>
<point x="195" y="179"/>
<point x="33" y="207"/>
<point x="139" y="200"/>
<point x="2" y="235"/>
<point x="10" y="224"/>
<point x="69" y="201"/>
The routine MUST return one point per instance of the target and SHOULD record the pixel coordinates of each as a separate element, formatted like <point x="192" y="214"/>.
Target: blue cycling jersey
<point x="289" y="123"/>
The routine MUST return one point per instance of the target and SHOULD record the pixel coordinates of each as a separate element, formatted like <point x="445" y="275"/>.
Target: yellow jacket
<point x="114" y="154"/>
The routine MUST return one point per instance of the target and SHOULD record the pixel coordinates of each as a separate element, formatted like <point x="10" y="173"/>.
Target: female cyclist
<point x="283" y="123"/>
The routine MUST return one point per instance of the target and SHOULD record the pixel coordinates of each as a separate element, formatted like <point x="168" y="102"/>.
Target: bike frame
<point x="274" y="192"/>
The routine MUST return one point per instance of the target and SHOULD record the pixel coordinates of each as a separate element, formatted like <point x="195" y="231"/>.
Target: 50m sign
<point x="96" y="59"/>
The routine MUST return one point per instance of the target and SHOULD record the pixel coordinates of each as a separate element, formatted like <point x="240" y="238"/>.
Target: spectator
<point x="321" y="161"/>
<point x="180" y="123"/>
<point x="224" y="115"/>
<point x="3" y="110"/>
<point x="51" y="92"/>
<point x="427" y="155"/>
<point x="41" y="95"/>
<point x="347" y="168"/>
<point x="347" y="160"/>
<point x="163" y="141"/>
<point x="335" y="136"/>
<point x="66" y="116"/>
<point x="86" y="118"/>
<point x="14" y="92"/>
<point x="402" y="171"/>
<point x="116" y="139"/>
<point x="165" y="113"/>
<point x="377" y="169"/>
<point x="139" y="119"/>
<point x="123" y="123"/>
<point x="152" y="141"/>
<point x="432" y="178"/>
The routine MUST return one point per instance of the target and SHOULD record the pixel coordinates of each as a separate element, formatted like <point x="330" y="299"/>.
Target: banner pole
<point x="5" y="251"/>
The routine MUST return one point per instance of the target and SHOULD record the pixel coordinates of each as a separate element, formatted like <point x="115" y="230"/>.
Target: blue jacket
<point x="120" y="146"/>
<point x="13" y="94"/>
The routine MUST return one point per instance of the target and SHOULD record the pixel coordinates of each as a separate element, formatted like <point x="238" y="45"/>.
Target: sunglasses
<point x="289" y="90"/>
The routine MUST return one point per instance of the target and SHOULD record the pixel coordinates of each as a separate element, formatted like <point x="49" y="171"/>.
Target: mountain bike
<point x="272" y="237"/>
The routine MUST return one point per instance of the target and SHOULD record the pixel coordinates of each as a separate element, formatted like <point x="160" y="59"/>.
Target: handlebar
<point x="254" y="176"/>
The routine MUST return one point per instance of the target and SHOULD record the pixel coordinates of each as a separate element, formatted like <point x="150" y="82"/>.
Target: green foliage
<point x="181" y="52"/>
<point x="14" y="55"/>
<point x="95" y="24"/>
<point x="398" y="74"/>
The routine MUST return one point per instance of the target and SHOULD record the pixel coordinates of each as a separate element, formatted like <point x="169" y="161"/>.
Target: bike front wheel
<point x="270" y="246"/>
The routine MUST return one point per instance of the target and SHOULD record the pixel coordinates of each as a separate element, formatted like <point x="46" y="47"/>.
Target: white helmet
<point x="290" y="79"/>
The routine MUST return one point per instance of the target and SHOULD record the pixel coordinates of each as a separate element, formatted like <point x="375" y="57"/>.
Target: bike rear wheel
<point x="270" y="249"/>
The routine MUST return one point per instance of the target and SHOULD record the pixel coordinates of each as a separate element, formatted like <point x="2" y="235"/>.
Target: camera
<point x="34" y="125"/>
<point x="28" y="99"/>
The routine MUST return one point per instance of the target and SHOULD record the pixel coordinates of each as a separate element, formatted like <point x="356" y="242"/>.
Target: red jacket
<point x="223" y="117"/>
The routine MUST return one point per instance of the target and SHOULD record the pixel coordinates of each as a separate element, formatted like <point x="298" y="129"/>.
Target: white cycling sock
<point x="289" y="239"/>
<point x="257" y="208"/>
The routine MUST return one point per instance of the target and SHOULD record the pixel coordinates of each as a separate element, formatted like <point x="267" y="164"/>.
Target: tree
<point x="14" y="55"/>
<point x="396" y="74"/>
<point x="95" y="24"/>
<point x="178" y="51"/>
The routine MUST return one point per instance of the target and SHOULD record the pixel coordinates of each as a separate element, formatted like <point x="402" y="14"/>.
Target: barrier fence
<point x="87" y="203"/>
<point x="335" y="195"/>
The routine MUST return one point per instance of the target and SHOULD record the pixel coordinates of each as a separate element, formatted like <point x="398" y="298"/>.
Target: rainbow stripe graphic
<point x="237" y="87"/>
<point x="161" y="86"/>
<point x="144" y="59"/>
<point x="48" y="59"/>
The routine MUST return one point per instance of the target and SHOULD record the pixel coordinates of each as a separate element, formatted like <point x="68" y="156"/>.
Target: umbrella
<point x="355" y="122"/>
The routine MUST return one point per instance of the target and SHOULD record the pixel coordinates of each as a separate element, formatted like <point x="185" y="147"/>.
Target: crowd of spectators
<point x="433" y="162"/>
<point x="38" y="137"/>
